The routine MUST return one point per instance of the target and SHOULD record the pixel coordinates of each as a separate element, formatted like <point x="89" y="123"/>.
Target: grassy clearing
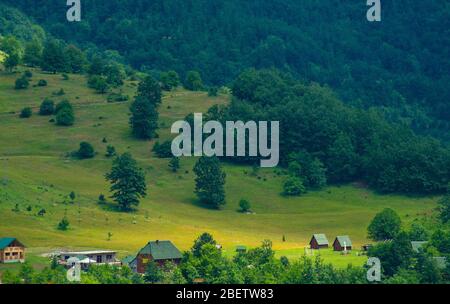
<point x="34" y="172"/>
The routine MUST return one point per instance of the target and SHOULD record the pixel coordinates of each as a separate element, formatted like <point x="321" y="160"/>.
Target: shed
<point x="342" y="243"/>
<point x="241" y="249"/>
<point x="319" y="241"/>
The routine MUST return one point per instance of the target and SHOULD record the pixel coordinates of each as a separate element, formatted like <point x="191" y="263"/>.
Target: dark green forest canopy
<point x="401" y="64"/>
<point x="353" y="144"/>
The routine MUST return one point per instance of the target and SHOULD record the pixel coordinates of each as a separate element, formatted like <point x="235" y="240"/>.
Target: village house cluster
<point x="161" y="252"/>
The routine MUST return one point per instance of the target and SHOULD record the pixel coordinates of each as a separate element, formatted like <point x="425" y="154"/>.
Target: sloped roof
<point x="417" y="245"/>
<point x="441" y="262"/>
<point x="161" y="250"/>
<point x="128" y="259"/>
<point x="344" y="239"/>
<point x="321" y="239"/>
<point x="5" y="242"/>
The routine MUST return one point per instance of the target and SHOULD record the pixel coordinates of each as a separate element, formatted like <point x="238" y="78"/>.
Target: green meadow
<point x="36" y="172"/>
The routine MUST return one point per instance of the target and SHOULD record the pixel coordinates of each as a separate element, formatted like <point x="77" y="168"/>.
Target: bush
<point x="22" y="83"/>
<point x="28" y="74"/>
<point x="213" y="91"/>
<point x="42" y="83"/>
<point x="163" y="150"/>
<point x="244" y="205"/>
<point x="65" y="77"/>
<point x="110" y="151"/>
<point x="98" y="83"/>
<point x="65" y="117"/>
<point x="101" y="199"/>
<point x="62" y="105"/>
<point x="61" y="92"/>
<point x="64" y="224"/>
<point x="47" y="107"/>
<point x="86" y="151"/>
<point x="26" y="112"/>
<point x="294" y="186"/>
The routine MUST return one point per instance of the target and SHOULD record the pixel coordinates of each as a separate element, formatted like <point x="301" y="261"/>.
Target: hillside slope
<point x="35" y="172"/>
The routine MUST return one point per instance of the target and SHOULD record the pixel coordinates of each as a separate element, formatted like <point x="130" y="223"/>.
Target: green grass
<point x="35" y="172"/>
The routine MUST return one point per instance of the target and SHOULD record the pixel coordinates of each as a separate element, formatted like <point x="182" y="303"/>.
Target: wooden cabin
<point x="158" y="251"/>
<point x="11" y="251"/>
<point x="342" y="243"/>
<point x="319" y="241"/>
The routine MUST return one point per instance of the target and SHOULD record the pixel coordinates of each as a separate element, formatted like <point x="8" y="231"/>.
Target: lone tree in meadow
<point x="144" y="118"/>
<point x="144" y="109"/>
<point x="210" y="181"/>
<point x="385" y="225"/>
<point x="47" y="107"/>
<point x="127" y="182"/>
<point x="85" y="151"/>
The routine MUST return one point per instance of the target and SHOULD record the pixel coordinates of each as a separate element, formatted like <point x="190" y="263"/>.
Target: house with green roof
<point x="160" y="252"/>
<point x="319" y="241"/>
<point x="342" y="243"/>
<point x="11" y="250"/>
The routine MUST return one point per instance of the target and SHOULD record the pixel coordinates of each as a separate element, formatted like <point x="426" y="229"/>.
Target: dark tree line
<point x="321" y="138"/>
<point x="401" y="64"/>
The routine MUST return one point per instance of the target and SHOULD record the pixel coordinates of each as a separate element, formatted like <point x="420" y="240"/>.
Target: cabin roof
<point x="161" y="250"/>
<point x="321" y="239"/>
<point x="6" y="241"/>
<point x="344" y="239"/>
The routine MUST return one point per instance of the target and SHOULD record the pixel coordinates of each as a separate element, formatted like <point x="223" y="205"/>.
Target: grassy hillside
<point x="35" y="172"/>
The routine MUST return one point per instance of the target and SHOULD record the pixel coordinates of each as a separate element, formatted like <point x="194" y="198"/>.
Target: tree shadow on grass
<point x="113" y="207"/>
<point x="198" y="203"/>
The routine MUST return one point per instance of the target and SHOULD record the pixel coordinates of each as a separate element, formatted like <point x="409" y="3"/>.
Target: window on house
<point x="109" y="257"/>
<point x="99" y="259"/>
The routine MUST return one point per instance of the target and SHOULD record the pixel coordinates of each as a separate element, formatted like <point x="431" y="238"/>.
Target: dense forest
<point x="323" y="139"/>
<point x="400" y="65"/>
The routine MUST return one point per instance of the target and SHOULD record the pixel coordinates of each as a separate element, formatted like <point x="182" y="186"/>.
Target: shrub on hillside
<point x="163" y="150"/>
<point x="65" y="117"/>
<point x="26" y="112"/>
<point x="28" y="74"/>
<point x="244" y="205"/>
<point x="63" y="225"/>
<point x="294" y="186"/>
<point x="47" y="107"/>
<point x="22" y="83"/>
<point x="42" y="83"/>
<point x="85" y="151"/>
